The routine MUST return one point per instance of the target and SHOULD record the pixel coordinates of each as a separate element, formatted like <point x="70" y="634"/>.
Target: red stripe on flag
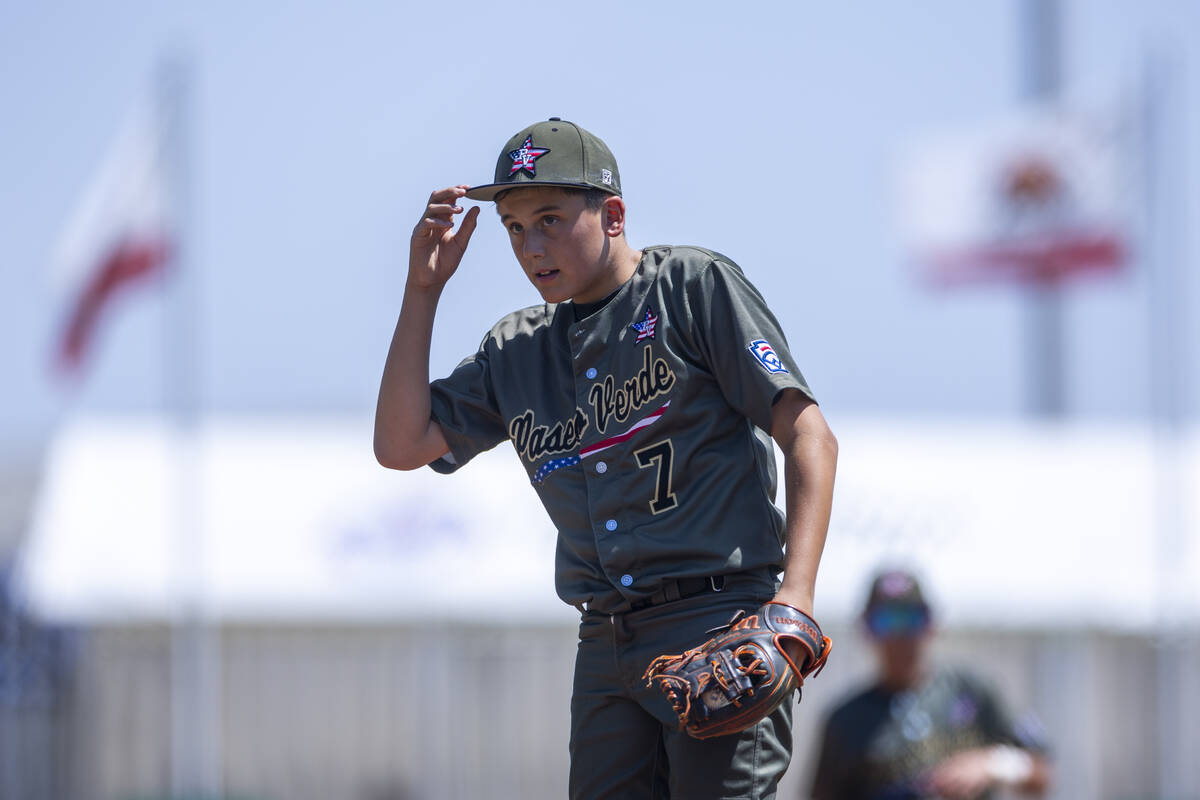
<point x="1038" y="261"/>
<point x="128" y="263"/>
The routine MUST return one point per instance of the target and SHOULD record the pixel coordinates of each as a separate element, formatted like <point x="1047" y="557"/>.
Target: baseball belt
<point x="680" y="588"/>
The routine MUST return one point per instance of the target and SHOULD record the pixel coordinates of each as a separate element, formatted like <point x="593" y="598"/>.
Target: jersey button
<point x="601" y="467"/>
<point x="611" y="524"/>
<point x="591" y="373"/>
<point x="627" y="580"/>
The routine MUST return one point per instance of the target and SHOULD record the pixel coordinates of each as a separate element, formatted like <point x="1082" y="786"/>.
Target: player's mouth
<point x="544" y="275"/>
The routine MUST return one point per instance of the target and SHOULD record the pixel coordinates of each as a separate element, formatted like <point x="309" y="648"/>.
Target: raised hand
<point x="436" y="248"/>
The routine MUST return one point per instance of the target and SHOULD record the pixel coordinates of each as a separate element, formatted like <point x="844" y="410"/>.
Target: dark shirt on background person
<point x="921" y="732"/>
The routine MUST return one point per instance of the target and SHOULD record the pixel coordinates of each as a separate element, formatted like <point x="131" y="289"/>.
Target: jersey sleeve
<point x="998" y="726"/>
<point x="742" y="342"/>
<point x="464" y="405"/>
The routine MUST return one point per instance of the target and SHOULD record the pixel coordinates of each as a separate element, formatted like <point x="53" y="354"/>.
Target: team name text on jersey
<point x="535" y="441"/>
<point x="610" y="401"/>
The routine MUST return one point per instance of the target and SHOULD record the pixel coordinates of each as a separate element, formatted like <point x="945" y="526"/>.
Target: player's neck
<point x="621" y="262"/>
<point x="625" y="261"/>
<point x="904" y="679"/>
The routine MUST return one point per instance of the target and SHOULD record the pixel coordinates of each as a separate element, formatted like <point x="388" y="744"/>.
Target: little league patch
<point x="765" y="355"/>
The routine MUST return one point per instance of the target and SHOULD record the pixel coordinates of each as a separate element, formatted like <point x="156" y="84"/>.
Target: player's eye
<point x="548" y="221"/>
<point x="515" y="227"/>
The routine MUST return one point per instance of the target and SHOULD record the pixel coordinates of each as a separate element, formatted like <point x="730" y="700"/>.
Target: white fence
<point x="402" y="712"/>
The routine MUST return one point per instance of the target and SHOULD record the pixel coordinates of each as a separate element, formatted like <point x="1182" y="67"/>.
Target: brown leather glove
<point x="742" y="673"/>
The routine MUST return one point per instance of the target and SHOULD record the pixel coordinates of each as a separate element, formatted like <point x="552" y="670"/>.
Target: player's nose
<point x="532" y="245"/>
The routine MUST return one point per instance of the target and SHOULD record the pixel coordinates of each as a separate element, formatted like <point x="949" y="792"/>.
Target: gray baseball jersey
<point x="643" y="427"/>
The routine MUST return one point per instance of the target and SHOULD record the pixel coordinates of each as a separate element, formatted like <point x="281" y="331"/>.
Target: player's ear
<point x="613" y="213"/>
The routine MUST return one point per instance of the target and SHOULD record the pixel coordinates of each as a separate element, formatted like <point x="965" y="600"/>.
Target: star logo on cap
<point x="524" y="157"/>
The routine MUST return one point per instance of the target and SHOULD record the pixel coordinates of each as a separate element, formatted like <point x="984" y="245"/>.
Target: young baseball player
<point x="921" y="730"/>
<point x="641" y="397"/>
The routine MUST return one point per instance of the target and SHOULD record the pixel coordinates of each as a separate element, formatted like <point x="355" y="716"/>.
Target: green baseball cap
<point x="553" y="153"/>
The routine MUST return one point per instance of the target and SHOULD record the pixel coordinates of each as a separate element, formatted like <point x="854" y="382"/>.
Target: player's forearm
<point x="969" y="772"/>
<point x="405" y="435"/>
<point x="810" y="462"/>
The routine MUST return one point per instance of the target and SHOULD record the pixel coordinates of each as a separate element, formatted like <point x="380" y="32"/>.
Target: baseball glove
<point x="742" y="673"/>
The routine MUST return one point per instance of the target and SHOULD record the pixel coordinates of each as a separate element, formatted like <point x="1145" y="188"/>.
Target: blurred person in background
<point x="921" y="731"/>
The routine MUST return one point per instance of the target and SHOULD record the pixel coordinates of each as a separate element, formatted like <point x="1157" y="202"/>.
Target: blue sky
<point x="770" y="134"/>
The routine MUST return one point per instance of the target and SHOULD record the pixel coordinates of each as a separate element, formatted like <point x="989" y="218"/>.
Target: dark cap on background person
<point x="896" y="606"/>
<point x="552" y="153"/>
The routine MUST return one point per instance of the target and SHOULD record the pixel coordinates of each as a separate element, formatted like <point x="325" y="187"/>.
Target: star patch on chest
<point x="765" y="355"/>
<point x="523" y="158"/>
<point x="646" y="328"/>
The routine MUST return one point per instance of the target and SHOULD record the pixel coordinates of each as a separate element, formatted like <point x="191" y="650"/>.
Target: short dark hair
<point x="593" y="198"/>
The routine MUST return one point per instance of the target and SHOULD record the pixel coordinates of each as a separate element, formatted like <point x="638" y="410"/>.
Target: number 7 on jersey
<point x="660" y="455"/>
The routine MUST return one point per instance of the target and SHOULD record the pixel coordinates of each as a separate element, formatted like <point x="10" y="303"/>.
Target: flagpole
<point x="1045" y="341"/>
<point x="1161" y="160"/>
<point x="195" y="645"/>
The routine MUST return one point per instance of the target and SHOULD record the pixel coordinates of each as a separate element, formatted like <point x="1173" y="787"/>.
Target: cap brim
<point x="488" y="191"/>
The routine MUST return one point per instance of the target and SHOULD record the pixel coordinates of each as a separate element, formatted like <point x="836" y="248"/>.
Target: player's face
<point x="561" y="244"/>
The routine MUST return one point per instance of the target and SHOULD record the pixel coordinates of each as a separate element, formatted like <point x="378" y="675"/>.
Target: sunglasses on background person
<point x="894" y="621"/>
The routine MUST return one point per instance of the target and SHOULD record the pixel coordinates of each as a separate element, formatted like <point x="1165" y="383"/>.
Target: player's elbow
<point x="404" y="447"/>
<point x="800" y="427"/>
<point x="387" y="457"/>
<point x="819" y="450"/>
<point x="393" y="457"/>
<point x="830" y="443"/>
<point x="812" y="425"/>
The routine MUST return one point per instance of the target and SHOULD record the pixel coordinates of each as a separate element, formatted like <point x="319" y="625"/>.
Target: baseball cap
<point x="552" y="153"/>
<point x="895" y="605"/>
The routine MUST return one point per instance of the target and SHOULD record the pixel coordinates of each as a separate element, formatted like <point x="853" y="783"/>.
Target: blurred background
<point x="975" y="222"/>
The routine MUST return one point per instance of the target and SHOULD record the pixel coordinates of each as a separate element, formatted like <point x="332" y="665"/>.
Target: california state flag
<point x="118" y="237"/>
<point x="1039" y="196"/>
